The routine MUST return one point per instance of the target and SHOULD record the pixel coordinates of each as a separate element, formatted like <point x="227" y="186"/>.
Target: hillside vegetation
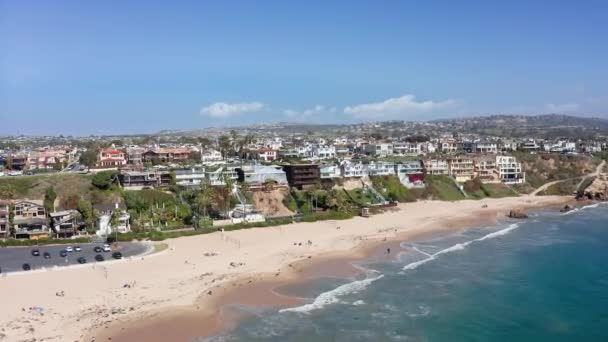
<point x="542" y="168"/>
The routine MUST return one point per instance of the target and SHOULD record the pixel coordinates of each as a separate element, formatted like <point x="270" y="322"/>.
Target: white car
<point x="77" y="249"/>
<point x="69" y="249"/>
<point x="106" y="248"/>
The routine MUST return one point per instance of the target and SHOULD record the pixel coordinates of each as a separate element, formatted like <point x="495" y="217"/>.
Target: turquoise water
<point x="544" y="279"/>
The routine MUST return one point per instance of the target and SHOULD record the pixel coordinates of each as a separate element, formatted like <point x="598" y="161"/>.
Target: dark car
<point x="26" y="267"/>
<point x="98" y="249"/>
<point x="46" y="255"/>
<point x="117" y="255"/>
<point x="99" y="257"/>
<point x="82" y="260"/>
<point x="35" y="252"/>
<point x="63" y="253"/>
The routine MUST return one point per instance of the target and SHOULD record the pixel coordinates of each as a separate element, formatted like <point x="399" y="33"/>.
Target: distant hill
<point x="539" y="126"/>
<point x="543" y="126"/>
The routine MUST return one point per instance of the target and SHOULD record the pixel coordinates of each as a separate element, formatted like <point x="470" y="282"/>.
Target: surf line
<point x="457" y="247"/>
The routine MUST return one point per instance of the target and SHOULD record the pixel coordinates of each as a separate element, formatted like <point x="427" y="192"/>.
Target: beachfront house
<point x="30" y="221"/>
<point x="509" y="170"/>
<point x="4" y="219"/>
<point x="302" y="176"/>
<point x="380" y="168"/>
<point x="104" y="221"/>
<point x="461" y="168"/>
<point x="485" y="168"/>
<point x="329" y="171"/>
<point x="350" y="170"/>
<point x="435" y="166"/>
<point x="260" y="174"/>
<point x="67" y="223"/>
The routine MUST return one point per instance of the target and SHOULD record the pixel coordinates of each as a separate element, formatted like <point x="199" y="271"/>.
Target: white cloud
<point x="224" y="110"/>
<point x="398" y="106"/>
<point x="318" y="109"/>
<point x="562" y="108"/>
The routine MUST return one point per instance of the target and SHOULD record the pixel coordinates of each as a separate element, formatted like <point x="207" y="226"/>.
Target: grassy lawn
<point x="442" y="188"/>
<point x="361" y="197"/>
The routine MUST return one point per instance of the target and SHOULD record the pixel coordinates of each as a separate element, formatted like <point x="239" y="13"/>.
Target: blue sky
<point x="102" y="67"/>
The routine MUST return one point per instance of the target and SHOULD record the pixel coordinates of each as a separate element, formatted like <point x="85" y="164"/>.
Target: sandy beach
<point x="197" y="275"/>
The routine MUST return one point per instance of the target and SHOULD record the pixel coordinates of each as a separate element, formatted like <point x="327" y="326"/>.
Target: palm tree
<point x="204" y="198"/>
<point x="224" y="144"/>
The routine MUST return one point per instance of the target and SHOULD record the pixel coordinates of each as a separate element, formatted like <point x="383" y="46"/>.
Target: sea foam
<point x="333" y="296"/>
<point x="459" y="247"/>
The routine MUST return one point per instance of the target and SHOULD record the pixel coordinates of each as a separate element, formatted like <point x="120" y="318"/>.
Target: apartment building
<point x="509" y="170"/>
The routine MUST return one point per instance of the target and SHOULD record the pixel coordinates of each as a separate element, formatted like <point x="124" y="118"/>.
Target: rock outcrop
<point x="517" y="214"/>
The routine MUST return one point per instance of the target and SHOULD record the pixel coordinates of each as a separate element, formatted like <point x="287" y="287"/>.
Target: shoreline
<point x="295" y="273"/>
<point x="232" y="265"/>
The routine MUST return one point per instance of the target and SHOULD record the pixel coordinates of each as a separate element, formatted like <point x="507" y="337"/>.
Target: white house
<point x="324" y="151"/>
<point x="349" y="169"/>
<point x="379" y="149"/>
<point x="509" y="170"/>
<point x="329" y="171"/>
<point x="211" y="156"/>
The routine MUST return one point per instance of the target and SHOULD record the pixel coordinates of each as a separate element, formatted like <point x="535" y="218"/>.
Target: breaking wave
<point x="333" y="296"/>
<point x="459" y="247"/>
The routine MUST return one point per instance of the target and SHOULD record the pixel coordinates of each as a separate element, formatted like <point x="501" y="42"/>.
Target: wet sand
<point x="270" y="290"/>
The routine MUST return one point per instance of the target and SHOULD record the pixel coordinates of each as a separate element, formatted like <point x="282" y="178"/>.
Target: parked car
<point x="35" y="252"/>
<point x="26" y="267"/>
<point x="69" y="249"/>
<point x="63" y="253"/>
<point x="77" y="249"/>
<point x="97" y="249"/>
<point x="117" y="255"/>
<point x="99" y="257"/>
<point x="46" y="255"/>
<point x="82" y="260"/>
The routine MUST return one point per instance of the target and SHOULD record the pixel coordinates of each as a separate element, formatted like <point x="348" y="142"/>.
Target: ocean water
<point x="542" y="279"/>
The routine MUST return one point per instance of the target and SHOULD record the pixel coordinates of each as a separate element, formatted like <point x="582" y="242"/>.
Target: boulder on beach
<point x="566" y="209"/>
<point x="518" y="214"/>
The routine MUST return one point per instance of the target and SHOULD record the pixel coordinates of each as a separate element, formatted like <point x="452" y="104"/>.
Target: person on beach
<point x="388" y="250"/>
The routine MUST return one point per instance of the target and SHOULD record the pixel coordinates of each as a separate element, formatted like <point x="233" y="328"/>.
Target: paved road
<point x="12" y="259"/>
